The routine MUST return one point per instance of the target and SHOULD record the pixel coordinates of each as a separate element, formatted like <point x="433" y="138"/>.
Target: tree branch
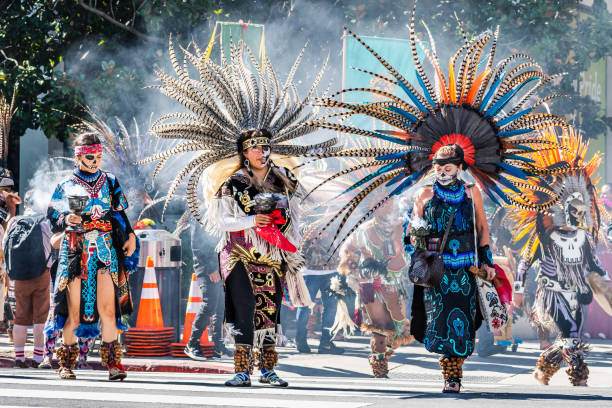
<point x="119" y="24"/>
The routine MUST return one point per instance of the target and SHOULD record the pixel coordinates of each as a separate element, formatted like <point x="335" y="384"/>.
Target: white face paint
<point x="90" y="162"/>
<point x="446" y="174"/>
<point x="265" y="153"/>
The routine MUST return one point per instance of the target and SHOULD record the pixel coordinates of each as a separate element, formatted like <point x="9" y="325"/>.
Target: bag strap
<point x="448" y="228"/>
<point x="475" y="232"/>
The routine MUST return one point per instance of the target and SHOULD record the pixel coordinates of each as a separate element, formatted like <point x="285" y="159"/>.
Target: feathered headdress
<point x="479" y="105"/>
<point x="566" y="175"/>
<point x="225" y="100"/>
<point x="122" y="151"/>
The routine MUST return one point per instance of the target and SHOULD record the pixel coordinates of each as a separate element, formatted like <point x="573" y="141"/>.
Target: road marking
<point x="175" y="399"/>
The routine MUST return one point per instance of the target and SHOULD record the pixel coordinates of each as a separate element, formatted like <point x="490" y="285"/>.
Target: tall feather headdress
<point x="479" y="105"/>
<point x="223" y="101"/>
<point x="566" y="171"/>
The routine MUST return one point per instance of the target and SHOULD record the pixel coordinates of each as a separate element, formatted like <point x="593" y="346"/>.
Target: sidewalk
<point x="410" y="362"/>
<point x="151" y="364"/>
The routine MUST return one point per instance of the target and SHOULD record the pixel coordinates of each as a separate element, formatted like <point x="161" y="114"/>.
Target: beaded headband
<point x="255" y="141"/>
<point x="87" y="149"/>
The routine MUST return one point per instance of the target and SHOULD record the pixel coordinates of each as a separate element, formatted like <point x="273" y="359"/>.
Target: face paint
<point x="89" y="163"/>
<point x="446" y="175"/>
<point x="265" y="153"/>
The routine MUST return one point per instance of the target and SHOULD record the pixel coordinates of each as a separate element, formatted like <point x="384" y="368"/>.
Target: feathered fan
<point x="481" y="109"/>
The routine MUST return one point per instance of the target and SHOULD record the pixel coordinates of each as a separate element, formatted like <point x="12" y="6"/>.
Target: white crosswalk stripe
<point x="192" y="389"/>
<point x="207" y="390"/>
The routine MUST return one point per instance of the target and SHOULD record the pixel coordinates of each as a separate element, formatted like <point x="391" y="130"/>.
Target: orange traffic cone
<point x="193" y="306"/>
<point x="149" y="337"/>
<point x="149" y="312"/>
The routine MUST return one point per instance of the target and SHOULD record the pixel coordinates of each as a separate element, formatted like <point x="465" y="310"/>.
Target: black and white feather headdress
<point x="224" y="100"/>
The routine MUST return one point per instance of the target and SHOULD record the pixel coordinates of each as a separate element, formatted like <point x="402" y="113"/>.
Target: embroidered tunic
<point x="446" y="317"/>
<point x="241" y="250"/>
<point x="82" y="255"/>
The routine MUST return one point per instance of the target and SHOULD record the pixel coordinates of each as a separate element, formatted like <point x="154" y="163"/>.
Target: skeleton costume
<point x="563" y="240"/>
<point x="227" y="101"/>
<point x="481" y="108"/>
<point x="374" y="264"/>
<point x="83" y="255"/>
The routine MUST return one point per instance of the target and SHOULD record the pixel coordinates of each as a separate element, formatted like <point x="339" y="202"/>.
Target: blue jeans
<point x="314" y="283"/>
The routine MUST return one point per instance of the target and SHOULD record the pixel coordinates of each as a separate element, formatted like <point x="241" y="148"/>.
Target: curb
<point x="148" y="367"/>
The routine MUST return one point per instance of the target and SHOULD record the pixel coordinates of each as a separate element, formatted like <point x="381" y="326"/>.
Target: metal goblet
<point x="77" y="204"/>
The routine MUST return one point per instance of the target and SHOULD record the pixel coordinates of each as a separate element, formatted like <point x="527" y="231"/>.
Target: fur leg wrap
<point x="67" y="356"/>
<point x="574" y="354"/>
<point x="110" y="356"/>
<point x="379" y="364"/>
<point x="111" y="353"/>
<point x="452" y="367"/>
<point x="267" y="359"/>
<point x="545" y="369"/>
<point x="243" y="359"/>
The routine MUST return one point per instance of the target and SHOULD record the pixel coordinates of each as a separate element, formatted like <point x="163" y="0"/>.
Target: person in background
<point x="28" y="266"/>
<point x="8" y="209"/>
<point x="206" y="268"/>
<point x="318" y="276"/>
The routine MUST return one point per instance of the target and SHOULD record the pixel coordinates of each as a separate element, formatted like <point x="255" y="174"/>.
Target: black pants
<point x="213" y="305"/>
<point x="240" y="305"/>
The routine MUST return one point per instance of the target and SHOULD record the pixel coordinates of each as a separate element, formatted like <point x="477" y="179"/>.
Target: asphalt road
<point x="325" y="381"/>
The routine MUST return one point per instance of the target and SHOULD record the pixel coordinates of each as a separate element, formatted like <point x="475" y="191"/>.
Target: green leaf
<point x="101" y="42"/>
<point x="217" y="12"/>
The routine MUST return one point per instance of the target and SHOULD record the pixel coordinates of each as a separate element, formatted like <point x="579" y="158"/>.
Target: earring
<point x="247" y="164"/>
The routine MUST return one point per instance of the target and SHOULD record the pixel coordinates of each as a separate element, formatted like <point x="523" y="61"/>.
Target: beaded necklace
<point x="453" y="194"/>
<point x="85" y="176"/>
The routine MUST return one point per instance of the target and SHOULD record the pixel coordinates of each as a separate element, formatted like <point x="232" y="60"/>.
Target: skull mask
<point x="575" y="210"/>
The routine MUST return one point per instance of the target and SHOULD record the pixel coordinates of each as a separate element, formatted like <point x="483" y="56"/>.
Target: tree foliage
<point x="62" y="54"/>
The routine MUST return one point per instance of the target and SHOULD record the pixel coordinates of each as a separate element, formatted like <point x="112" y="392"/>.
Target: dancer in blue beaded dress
<point x="483" y="116"/>
<point x="446" y="317"/>
<point x="91" y="284"/>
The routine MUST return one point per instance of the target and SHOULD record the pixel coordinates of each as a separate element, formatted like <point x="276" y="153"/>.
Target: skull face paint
<point x="90" y="163"/>
<point x="265" y="154"/>
<point x="446" y="174"/>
